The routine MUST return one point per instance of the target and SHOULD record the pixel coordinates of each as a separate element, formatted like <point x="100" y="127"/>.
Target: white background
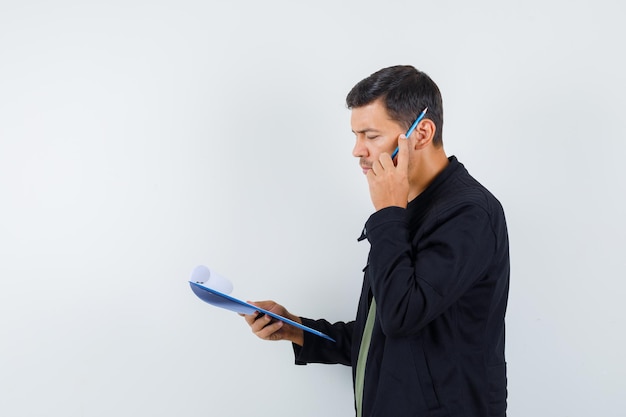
<point x="141" y="138"/>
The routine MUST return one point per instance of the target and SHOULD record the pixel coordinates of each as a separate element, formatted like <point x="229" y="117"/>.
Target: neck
<point x="428" y="163"/>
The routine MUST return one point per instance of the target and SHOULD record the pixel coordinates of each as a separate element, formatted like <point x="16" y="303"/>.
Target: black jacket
<point x="439" y="271"/>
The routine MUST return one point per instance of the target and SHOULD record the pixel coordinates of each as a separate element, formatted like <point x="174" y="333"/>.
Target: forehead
<point x="372" y="116"/>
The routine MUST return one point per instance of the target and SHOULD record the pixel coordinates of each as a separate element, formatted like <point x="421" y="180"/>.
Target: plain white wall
<point x="139" y="139"/>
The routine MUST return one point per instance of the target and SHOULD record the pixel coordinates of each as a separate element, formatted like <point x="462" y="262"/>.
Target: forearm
<point x="413" y="282"/>
<point x="318" y="350"/>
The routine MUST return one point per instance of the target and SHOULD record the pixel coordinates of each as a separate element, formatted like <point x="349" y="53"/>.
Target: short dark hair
<point x="405" y="91"/>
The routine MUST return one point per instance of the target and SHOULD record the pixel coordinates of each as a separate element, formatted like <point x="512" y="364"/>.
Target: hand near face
<point x="388" y="182"/>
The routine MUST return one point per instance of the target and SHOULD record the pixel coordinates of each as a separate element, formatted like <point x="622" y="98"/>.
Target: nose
<point x="359" y="150"/>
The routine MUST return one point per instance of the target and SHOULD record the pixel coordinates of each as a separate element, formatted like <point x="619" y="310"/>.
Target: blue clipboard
<point x="227" y="302"/>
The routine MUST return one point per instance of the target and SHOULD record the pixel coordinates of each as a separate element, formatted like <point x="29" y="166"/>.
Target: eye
<point x="372" y="136"/>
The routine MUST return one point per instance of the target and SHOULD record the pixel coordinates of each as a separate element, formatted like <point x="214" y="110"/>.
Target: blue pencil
<point x="411" y="129"/>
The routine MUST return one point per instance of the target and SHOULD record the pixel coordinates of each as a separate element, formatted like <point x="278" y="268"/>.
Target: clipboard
<point x="219" y="299"/>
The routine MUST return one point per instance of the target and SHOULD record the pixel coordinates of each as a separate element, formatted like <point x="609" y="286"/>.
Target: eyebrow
<point x="367" y="130"/>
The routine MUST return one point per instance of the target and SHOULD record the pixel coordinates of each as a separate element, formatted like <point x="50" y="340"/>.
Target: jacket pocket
<point x="405" y="387"/>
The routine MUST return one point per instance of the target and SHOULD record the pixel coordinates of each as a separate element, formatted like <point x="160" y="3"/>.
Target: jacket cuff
<point x="302" y="352"/>
<point x="379" y="222"/>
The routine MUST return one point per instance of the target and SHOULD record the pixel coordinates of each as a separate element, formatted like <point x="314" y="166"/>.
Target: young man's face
<point x="375" y="133"/>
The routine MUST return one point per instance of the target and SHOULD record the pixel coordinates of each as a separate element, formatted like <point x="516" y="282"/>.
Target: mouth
<point x="365" y="165"/>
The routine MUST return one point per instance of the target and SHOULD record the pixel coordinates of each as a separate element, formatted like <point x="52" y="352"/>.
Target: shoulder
<point x="460" y="205"/>
<point x="464" y="192"/>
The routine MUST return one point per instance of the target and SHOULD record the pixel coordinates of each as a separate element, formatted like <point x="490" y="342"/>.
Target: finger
<point x="402" y="160"/>
<point x="263" y="305"/>
<point x="377" y="168"/>
<point x="374" y="168"/>
<point x="271" y="331"/>
<point x="251" y="318"/>
<point x="259" y="322"/>
<point x="385" y="160"/>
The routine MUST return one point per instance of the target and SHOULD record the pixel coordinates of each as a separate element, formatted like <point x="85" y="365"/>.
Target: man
<point x="428" y="339"/>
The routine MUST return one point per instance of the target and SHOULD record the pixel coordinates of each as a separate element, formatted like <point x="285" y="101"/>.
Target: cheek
<point x="385" y="145"/>
<point x="373" y="148"/>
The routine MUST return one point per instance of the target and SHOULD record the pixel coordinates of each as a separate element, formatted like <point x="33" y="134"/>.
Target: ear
<point x="425" y="132"/>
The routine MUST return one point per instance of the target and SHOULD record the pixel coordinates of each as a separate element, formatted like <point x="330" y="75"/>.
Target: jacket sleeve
<point x="320" y="350"/>
<point x="415" y="282"/>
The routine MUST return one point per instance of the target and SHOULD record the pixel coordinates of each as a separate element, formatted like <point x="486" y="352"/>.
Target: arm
<point x="308" y="348"/>
<point x="319" y="350"/>
<point x="414" y="282"/>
